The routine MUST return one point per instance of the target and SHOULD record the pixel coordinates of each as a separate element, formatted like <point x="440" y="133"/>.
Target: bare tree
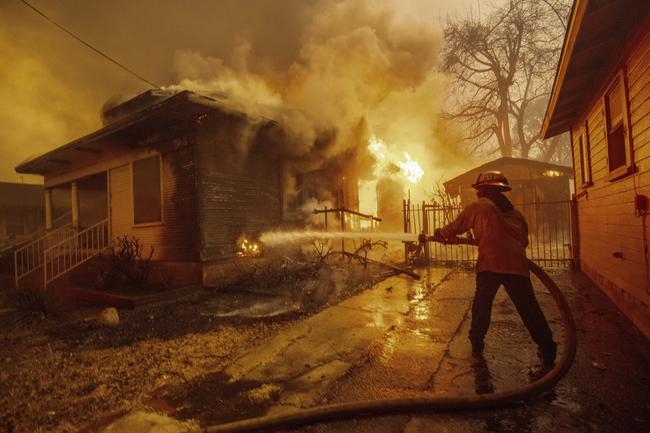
<point x="502" y="66"/>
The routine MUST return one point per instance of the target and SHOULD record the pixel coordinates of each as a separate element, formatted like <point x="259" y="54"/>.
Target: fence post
<point x="404" y="211"/>
<point x="425" y="230"/>
<point x="325" y="218"/>
<point x="342" y="230"/>
<point x="575" y="235"/>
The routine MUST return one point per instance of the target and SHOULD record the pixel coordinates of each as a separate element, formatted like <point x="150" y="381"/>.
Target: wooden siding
<point x="606" y="213"/>
<point x="177" y="237"/>
<point x="239" y="184"/>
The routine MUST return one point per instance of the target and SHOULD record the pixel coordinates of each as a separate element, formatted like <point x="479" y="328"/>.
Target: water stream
<point x="282" y="237"/>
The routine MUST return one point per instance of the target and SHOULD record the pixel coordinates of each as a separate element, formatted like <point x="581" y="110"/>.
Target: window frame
<point x="586" y="172"/>
<point x="162" y="207"/>
<point x="628" y="167"/>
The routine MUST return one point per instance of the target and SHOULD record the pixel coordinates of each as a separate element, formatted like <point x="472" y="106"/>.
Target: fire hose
<point x="378" y="408"/>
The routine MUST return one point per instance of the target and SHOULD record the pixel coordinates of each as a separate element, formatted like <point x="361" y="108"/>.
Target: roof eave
<point x="577" y="15"/>
<point x="34" y="165"/>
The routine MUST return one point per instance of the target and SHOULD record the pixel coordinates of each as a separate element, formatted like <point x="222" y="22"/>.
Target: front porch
<point x="76" y="229"/>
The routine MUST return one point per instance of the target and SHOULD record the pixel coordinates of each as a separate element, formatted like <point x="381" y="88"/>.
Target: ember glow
<point x="248" y="248"/>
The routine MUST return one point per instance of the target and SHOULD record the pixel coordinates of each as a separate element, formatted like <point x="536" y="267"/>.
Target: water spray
<point x="283" y="237"/>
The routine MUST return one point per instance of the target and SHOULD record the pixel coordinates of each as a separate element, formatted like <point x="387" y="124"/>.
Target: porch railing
<point x="75" y="250"/>
<point x="30" y="256"/>
<point x="343" y="220"/>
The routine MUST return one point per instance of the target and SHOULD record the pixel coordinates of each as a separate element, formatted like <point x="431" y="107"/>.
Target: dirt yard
<point x="61" y="375"/>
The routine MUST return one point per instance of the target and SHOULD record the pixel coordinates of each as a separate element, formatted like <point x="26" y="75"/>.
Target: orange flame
<point x="410" y="169"/>
<point x="247" y="248"/>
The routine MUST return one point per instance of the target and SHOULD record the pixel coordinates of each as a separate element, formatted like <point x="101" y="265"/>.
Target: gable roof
<point x="532" y="166"/>
<point x="598" y="32"/>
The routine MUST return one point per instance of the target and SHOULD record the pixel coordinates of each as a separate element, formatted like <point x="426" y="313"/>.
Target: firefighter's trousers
<point x="520" y="290"/>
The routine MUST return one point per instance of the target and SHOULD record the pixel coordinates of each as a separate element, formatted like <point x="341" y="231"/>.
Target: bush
<point x="124" y="266"/>
<point x="34" y="302"/>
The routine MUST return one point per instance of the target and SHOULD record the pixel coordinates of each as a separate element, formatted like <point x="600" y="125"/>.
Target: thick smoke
<point x="361" y="70"/>
<point x="333" y="73"/>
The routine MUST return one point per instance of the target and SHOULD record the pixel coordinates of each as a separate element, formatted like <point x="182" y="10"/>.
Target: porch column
<point x="48" y="209"/>
<point x="74" y="201"/>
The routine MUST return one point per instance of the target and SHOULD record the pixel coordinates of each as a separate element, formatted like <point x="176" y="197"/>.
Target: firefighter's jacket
<point x="502" y="237"/>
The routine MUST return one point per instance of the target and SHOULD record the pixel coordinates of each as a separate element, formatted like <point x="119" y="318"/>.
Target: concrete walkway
<point x="409" y="338"/>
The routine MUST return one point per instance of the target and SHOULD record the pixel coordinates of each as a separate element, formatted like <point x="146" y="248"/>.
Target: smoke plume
<point x="333" y="73"/>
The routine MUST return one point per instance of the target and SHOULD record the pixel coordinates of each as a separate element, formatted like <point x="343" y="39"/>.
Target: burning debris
<point x="248" y="248"/>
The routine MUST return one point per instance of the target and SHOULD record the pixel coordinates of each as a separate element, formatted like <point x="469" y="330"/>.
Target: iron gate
<point x="549" y="232"/>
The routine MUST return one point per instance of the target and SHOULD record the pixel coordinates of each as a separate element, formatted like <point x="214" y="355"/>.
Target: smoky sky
<point x="52" y="87"/>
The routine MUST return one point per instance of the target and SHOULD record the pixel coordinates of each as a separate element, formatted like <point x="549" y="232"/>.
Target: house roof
<point x="598" y="32"/>
<point x="176" y="112"/>
<point x="511" y="167"/>
<point x="20" y="195"/>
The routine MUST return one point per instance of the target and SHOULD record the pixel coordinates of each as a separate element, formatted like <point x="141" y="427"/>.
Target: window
<point x="147" y="206"/>
<point x="585" y="157"/>
<point x="619" y="156"/>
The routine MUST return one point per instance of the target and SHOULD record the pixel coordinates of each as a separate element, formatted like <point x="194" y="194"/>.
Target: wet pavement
<point x="406" y="338"/>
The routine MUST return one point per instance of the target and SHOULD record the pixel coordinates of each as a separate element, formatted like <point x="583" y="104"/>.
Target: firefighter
<point x="502" y="236"/>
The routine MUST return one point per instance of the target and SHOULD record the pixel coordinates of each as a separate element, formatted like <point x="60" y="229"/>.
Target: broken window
<point x="147" y="198"/>
<point x="585" y="157"/>
<point x="615" y="116"/>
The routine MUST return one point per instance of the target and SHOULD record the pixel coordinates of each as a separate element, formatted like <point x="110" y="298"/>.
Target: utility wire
<point x="90" y="46"/>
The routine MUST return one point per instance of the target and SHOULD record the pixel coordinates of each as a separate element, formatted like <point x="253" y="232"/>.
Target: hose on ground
<point x="375" y="408"/>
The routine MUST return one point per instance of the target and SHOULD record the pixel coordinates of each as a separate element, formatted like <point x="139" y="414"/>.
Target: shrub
<point x="34" y="302"/>
<point x="124" y="265"/>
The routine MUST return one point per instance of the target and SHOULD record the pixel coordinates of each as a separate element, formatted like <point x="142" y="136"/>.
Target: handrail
<point x="42" y="231"/>
<point x="30" y="256"/>
<point x="350" y="211"/>
<point x="71" y="252"/>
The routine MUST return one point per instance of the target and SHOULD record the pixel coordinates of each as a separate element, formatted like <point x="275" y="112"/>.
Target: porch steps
<point x="58" y="252"/>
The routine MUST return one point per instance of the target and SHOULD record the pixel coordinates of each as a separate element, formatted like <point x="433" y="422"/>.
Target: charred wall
<point x="239" y="183"/>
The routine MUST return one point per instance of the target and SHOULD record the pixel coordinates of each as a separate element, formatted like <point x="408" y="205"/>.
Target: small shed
<point x="532" y="181"/>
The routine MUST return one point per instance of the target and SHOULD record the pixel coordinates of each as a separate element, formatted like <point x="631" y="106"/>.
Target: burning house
<point x="186" y="174"/>
<point x="601" y="96"/>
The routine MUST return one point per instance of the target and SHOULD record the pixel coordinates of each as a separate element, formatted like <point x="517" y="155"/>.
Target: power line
<point x="90" y="46"/>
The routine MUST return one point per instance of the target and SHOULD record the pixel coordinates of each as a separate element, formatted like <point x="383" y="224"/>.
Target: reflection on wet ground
<point x="482" y="377"/>
<point x="406" y="338"/>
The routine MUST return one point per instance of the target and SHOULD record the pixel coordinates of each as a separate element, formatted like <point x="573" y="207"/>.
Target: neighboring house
<point x="21" y="211"/>
<point x="182" y="172"/>
<point x="531" y="181"/>
<point x="601" y="95"/>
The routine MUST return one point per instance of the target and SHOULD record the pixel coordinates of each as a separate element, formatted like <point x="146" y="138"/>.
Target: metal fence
<point x="549" y="232"/>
